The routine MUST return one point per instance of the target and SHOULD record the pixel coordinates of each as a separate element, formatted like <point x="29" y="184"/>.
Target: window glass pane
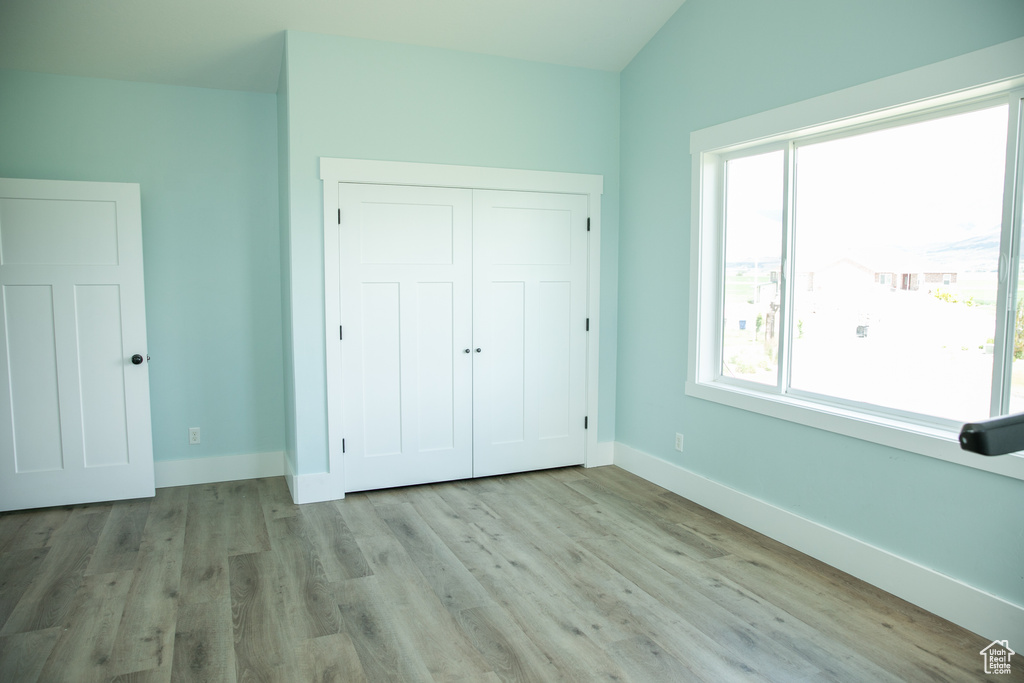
<point x="896" y="256"/>
<point x="753" y="253"/>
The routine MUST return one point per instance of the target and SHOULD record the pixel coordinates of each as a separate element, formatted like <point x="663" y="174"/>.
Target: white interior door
<point x="74" y="408"/>
<point x="529" y="324"/>
<point x="406" y="365"/>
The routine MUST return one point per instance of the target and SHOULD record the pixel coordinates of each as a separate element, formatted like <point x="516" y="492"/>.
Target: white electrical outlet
<point x="679" y="442"/>
<point x="193" y="436"/>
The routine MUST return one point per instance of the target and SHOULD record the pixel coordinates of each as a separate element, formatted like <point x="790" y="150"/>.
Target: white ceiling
<point x="236" y="44"/>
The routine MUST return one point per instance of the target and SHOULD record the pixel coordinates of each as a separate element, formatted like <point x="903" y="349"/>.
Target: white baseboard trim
<point x="605" y="455"/>
<point x="218" y="468"/>
<point x="314" y="488"/>
<point x="974" y="609"/>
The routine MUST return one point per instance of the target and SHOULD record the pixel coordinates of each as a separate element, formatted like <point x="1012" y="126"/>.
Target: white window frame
<point x="988" y="73"/>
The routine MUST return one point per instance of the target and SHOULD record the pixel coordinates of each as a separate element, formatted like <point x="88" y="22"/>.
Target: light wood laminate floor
<point x="574" y="574"/>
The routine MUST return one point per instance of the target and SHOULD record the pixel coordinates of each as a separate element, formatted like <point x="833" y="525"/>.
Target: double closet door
<point x="463" y="336"/>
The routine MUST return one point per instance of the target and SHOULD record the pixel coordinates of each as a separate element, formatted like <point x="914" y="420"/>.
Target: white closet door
<point x="74" y="407"/>
<point x="529" y="324"/>
<point x="406" y="283"/>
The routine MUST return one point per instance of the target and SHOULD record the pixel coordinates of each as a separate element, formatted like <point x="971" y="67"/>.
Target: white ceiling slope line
<point x="236" y="44"/>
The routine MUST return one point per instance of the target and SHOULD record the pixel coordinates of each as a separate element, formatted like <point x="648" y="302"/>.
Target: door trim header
<point x="468" y="177"/>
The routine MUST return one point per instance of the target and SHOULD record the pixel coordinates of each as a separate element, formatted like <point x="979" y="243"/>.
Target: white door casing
<point x="406" y="286"/>
<point x="336" y="171"/>
<point x="74" y="409"/>
<point x="530" y="329"/>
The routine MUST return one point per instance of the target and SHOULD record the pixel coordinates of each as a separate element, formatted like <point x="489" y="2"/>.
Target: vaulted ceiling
<point x="236" y="44"/>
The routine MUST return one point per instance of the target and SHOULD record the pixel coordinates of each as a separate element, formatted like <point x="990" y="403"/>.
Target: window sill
<point x="929" y="441"/>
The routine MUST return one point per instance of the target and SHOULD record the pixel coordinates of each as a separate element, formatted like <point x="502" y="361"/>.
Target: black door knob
<point x="465" y="350"/>
<point x="137" y="359"/>
<point x="478" y="349"/>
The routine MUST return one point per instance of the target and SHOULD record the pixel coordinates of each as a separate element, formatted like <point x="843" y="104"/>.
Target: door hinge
<point x="588" y="324"/>
<point x="588" y="223"/>
<point x="585" y="420"/>
<point x="343" y="445"/>
<point x="339" y="216"/>
<point x="341" y="334"/>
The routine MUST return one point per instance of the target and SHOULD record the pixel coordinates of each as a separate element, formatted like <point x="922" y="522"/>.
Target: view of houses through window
<point x="894" y="242"/>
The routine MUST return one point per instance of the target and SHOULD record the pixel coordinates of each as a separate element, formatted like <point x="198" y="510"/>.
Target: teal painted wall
<point x="284" y="239"/>
<point x="372" y="100"/>
<point x="717" y="61"/>
<point x="206" y="162"/>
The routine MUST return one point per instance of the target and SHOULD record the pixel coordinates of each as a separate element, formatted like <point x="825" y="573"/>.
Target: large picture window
<point x="867" y="266"/>
<point x="921" y="204"/>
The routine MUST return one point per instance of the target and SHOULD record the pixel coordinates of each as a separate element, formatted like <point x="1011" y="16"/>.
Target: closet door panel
<point x="554" y="356"/>
<point x="529" y="322"/>
<point x="406" y="297"/>
<point x="504" y="410"/>
<point x="381" y="376"/>
<point x="435" y="388"/>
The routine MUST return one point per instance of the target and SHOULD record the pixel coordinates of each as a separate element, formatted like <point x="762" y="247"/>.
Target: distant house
<point x="912" y="281"/>
<point x="896" y="271"/>
<point x="909" y="272"/>
<point x="840" y="274"/>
